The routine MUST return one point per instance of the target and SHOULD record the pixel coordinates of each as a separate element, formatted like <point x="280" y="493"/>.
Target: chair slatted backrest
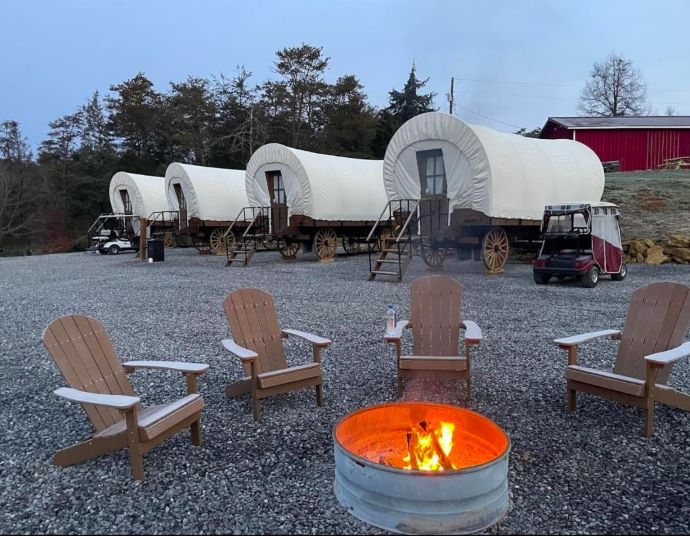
<point x="82" y="350"/>
<point x="254" y="325"/>
<point x="658" y="320"/>
<point x="435" y="303"/>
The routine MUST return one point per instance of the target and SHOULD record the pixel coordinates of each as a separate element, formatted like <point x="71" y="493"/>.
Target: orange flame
<point x="429" y="448"/>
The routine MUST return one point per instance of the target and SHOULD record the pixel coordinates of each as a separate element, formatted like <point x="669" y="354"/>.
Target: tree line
<point x="48" y="200"/>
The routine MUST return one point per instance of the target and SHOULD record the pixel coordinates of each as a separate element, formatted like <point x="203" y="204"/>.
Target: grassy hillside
<point x="654" y="204"/>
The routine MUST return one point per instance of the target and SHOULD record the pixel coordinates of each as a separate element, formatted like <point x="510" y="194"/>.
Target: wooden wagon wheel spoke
<point x="351" y="245"/>
<point x="495" y="248"/>
<point x="325" y="243"/>
<point x="288" y="248"/>
<point x="217" y="241"/>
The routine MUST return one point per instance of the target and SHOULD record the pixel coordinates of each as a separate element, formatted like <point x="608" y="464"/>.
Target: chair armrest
<point x="314" y="339"/>
<point x="243" y="353"/>
<point x="575" y="340"/>
<point x="185" y="368"/>
<point x="397" y="334"/>
<point x="473" y="334"/>
<point x="670" y="356"/>
<point x="120" y="402"/>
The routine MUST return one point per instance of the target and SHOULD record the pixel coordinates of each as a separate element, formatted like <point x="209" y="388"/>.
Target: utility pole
<point x="450" y="96"/>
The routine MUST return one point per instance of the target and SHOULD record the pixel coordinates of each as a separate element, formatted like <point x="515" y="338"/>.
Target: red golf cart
<point x="581" y="240"/>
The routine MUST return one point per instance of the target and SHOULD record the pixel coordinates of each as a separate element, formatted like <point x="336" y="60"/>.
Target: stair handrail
<point x="256" y="216"/>
<point x="378" y="221"/>
<point x="409" y="216"/>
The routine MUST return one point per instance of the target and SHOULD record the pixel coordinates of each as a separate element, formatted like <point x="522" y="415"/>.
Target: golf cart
<point x="581" y="240"/>
<point x="114" y="244"/>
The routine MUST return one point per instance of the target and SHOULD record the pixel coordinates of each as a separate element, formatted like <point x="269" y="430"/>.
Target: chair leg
<point x="649" y="417"/>
<point x="195" y="429"/>
<point x="572" y="400"/>
<point x="256" y="406"/>
<point x="319" y="394"/>
<point x="136" y="456"/>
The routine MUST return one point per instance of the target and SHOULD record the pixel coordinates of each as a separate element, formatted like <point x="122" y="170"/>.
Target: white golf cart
<point x="581" y="240"/>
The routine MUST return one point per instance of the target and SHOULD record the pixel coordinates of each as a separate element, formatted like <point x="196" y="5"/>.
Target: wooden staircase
<point x="397" y="231"/>
<point x="248" y="243"/>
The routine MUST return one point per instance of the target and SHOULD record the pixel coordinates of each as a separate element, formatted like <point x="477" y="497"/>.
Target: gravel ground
<point x="590" y="472"/>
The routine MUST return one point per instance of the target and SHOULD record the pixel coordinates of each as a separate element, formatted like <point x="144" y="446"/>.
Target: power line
<point x="487" y="117"/>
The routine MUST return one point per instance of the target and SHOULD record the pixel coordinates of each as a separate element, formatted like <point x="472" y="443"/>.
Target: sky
<point x="515" y="63"/>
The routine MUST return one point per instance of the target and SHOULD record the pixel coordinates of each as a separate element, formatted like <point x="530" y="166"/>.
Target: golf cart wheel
<point x="590" y="278"/>
<point x="541" y="279"/>
<point x="620" y="275"/>
<point x="114" y="249"/>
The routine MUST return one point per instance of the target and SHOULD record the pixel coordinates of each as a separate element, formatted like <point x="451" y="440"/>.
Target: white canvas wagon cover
<point x="499" y="174"/>
<point x="211" y="194"/>
<point x="146" y="193"/>
<point x="322" y="187"/>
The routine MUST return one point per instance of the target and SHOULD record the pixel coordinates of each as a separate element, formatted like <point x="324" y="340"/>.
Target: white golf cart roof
<point x="566" y="207"/>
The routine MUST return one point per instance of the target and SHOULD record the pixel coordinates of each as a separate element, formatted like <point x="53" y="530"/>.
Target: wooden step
<point x="392" y="261"/>
<point x="382" y="272"/>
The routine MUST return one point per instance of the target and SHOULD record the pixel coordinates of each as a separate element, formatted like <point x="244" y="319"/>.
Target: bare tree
<point x="670" y="110"/>
<point x="616" y="88"/>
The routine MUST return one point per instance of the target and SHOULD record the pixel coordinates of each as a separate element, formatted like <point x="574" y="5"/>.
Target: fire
<point x="429" y="448"/>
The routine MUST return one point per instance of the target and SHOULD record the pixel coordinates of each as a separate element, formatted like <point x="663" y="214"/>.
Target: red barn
<point x="636" y="143"/>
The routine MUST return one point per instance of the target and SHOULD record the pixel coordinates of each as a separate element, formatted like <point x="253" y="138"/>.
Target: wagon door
<point x="279" y="208"/>
<point x="182" y="203"/>
<point x="433" y="205"/>
<point x="126" y="201"/>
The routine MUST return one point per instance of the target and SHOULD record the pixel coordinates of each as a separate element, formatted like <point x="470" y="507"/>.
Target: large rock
<point x="679" y="241"/>
<point x="680" y="253"/>
<point x="655" y="255"/>
<point x="637" y="246"/>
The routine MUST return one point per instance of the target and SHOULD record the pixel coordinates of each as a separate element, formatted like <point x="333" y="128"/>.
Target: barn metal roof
<point x="647" y="121"/>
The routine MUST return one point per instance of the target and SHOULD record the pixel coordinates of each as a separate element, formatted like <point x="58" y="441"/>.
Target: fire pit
<point x="415" y="467"/>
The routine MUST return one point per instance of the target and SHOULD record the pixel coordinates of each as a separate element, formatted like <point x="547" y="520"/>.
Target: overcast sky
<point x="515" y="62"/>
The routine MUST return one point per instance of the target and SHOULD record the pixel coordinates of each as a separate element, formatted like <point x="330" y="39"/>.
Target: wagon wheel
<point x="201" y="244"/>
<point x="168" y="240"/>
<point x="325" y="243"/>
<point x="384" y="239"/>
<point x="495" y="249"/>
<point x="351" y="244"/>
<point x="288" y="248"/>
<point x="217" y="240"/>
<point x="432" y="255"/>
<point x="270" y="243"/>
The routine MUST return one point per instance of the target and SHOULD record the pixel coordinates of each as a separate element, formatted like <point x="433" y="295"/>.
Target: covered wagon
<point x="472" y="189"/>
<point x="207" y="200"/>
<point x="311" y="200"/>
<point x="133" y="198"/>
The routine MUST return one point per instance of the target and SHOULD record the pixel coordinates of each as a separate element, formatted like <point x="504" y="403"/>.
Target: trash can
<point x="155" y="249"/>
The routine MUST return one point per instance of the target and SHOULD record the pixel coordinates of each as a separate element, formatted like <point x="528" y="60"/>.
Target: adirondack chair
<point x="258" y="343"/>
<point x="436" y="321"/>
<point x="657" y="322"/>
<point x="82" y="350"/>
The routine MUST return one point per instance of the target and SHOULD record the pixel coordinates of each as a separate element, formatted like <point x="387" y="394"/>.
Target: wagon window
<point x="432" y="173"/>
<point x="276" y="188"/>
<point x="126" y="201"/>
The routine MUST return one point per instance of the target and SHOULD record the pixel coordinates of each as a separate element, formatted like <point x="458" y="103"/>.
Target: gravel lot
<point x="591" y="472"/>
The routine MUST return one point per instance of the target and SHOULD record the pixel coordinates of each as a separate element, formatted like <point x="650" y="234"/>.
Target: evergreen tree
<point x="402" y="106"/>
<point x="96" y="142"/>
<point x="193" y="115"/>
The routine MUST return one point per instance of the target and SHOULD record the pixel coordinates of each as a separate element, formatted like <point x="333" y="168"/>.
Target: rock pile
<point x="643" y="250"/>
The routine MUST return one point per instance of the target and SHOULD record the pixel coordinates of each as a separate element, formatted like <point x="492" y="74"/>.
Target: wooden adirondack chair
<point x="658" y="320"/>
<point x="82" y="350"/>
<point x="436" y="321"/>
<point x="258" y="343"/>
